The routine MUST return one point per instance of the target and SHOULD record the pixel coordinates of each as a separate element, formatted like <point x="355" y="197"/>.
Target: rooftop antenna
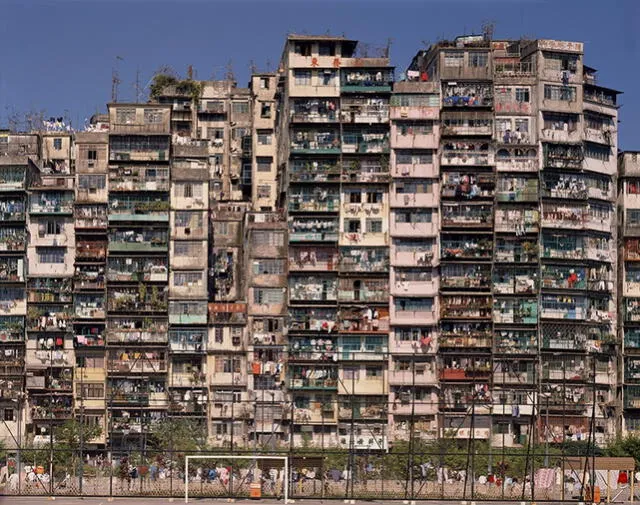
<point x="387" y="49"/>
<point x="269" y="65"/>
<point x="115" y="80"/>
<point x="137" y="86"/>
<point x="190" y="72"/>
<point x="252" y="67"/>
<point x="488" y="28"/>
<point x="230" y="76"/>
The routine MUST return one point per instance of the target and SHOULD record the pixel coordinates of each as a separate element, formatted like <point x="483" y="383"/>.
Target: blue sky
<point x="58" y="55"/>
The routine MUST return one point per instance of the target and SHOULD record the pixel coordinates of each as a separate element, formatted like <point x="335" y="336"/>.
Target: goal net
<point x="233" y="476"/>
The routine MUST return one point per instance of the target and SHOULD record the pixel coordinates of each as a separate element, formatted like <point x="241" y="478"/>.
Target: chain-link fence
<point x="328" y="475"/>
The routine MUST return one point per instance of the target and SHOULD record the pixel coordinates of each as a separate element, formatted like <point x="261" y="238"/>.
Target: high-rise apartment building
<point x="333" y="256"/>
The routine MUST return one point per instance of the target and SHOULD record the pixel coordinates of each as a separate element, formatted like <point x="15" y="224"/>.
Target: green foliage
<point x="185" y="86"/>
<point x="628" y="446"/>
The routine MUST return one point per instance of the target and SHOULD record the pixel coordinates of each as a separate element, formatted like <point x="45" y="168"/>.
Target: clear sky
<point x="58" y="55"/>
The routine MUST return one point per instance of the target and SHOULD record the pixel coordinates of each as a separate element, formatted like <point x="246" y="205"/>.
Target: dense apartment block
<point x="334" y="256"/>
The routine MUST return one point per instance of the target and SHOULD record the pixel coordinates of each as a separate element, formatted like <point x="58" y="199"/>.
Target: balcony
<point x="314" y="259"/>
<point x="516" y="342"/>
<point x="368" y="111"/>
<point x="365" y="142"/>
<point x="133" y="179"/>
<point x="313" y="289"/>
<point x="136" y="363"/>
<point x="135" y="331"/>
<point x="363" y="239"/>
<point x="314" y="111"/>
<point x="512" y="311"/>
<point x="11" y="329"/>
<point x="560" y="135"/>
<point x="567" y="156"/>
<point x="51" y="203"/>
<point x="12" y="239"/>
<point x="312" y="320"/>
<point x="91" y="251"/>
<point x="517" y="160"/>
<point x="356" y="320"/>
<point x="375" y="80"/>
<point x="467" y="248"/>
<point x="137" y="300"/>
<point x="313" y="171"/>
<point x="402" y="197"/>
<point x="323" y="202"/>
<point x="12" y="270"/>
<point x="514" y="189"/>
<point x="363" y="291"/>
<point x="313" y="230"/>
<point x="12" y="179"/>
<point x="466" y="154"/>
<point x="465" y="276"/>
<point x="369" y="260"/>
<point x="365" y="171"/>
<point x="13" y="304"/>
<point x="466" y="94"/>
<point x="138" y="241"/>
<point x="190" y="148"/>
<point x="466" y="307"/>
<point x="467" y="216"/>
<point x="510" y="71"/>
<point x="518" y="221"/>
<point x="402" y="404"/>
<point x="312" y="142"/>
<point x="454" y="341"/>
<point x="137" y="269"/>
<point x="139" y="210"/>
<point x="53" y="181"/>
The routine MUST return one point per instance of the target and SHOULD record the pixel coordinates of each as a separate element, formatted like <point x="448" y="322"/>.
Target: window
<point x="218" y="334"/>
<point x="351" y="373"/>
<point x="186" y="249"/>
<point x="374" y="225"/>
<point x="125" y="116"/>
<point x="240" y="107"/>
<point x="597" y="152"/>
<point x="328" y="77"/>
<point x="185" y="219"/>
<point x="264" y="139"/>
<point x="564" y="93"/>
<point x="92" y="155"/>
<point x="264" y="191"/>
<point x="423" y="100"/>
<point x="215" y="106"/>
<point x="268" y="296"/>
<point x="453" y="59"/>
<point x="50" y="254"/>
<point x="263" y="164"/>
<point x="302" y="77"/>
<point x="57" y="144"/>
<point x="272" y="238"/>
<point x="265" y="110"/>
<point x="326" y="49"/>
<point x="411" y="216"/>
<point x="264" y="83"/>
<point x="523" y="95"/>
<point x="413" y="304"/>
<point x="90" y="361"/>
<point x="374" y="197"/>
<point x="352" y="225"/>
<point x="561" y="62"/>
<point x="239" y="133"/>
<point x="228" y="365"/>
<point x="8" y="414"/>
<point x="373" y="372"/>
<point x="187" y="279"/>
<point x="50" y="227"/>
<point x="92" y="391"/>
<point x="215" y="133"/>
<point x="268" y="267"/>
<point x="152" y="116"/>
<point x="91" y="181"/>
<point x="478" y="59"/>
<point x="303" y="48"/>
<point x="264" y="382"/>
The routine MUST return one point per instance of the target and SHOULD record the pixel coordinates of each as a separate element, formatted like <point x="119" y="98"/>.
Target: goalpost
<point x="285" y="479"/>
